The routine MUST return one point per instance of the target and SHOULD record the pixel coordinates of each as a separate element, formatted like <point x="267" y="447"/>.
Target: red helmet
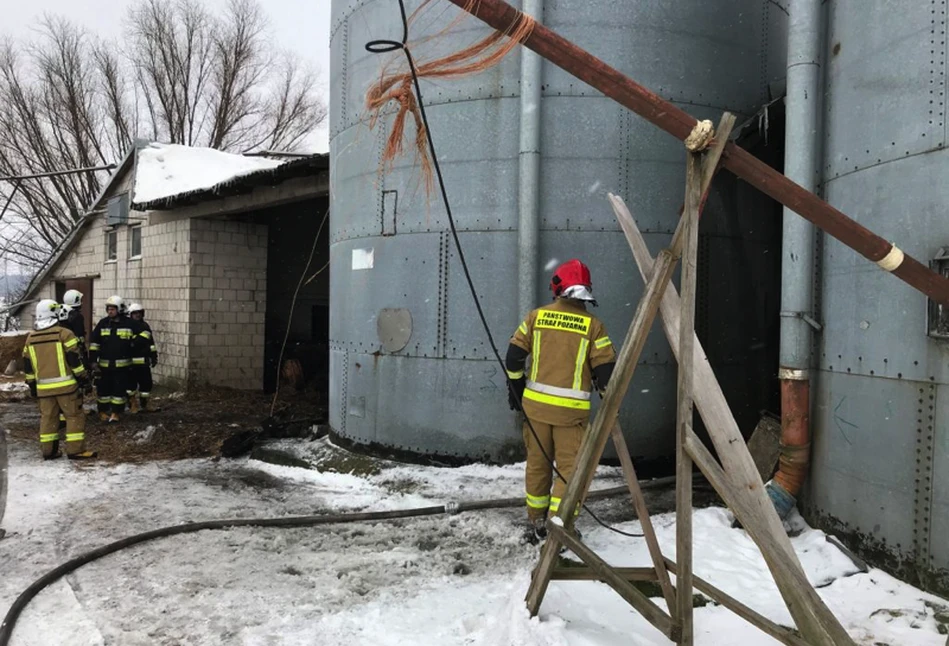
<point x="571" y="273"/>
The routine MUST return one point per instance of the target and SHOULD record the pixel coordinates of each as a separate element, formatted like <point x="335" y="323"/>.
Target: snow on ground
<point x="14" y="387"/>
<point x="164" y="170"/>
<point x="445" y="580"/>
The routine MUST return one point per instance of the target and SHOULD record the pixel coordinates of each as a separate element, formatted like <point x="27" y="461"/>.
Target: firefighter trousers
<point x="561" y="443"/>
<point x="140" y="382"/>
<point x="71" y="407"/>
<point x="111" y="390"/>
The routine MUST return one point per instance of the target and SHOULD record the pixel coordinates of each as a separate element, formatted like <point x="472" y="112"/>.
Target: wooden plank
<point x="813" y="618"/>
<point x="782" y="634"/>
<point x="643" y="604"/>
<point x="642" y="512"/>
<point x="585" y="573"/>
<point x="594" y="440"/>
<point x="693" y="196"/>
<point x="663" y="114"/>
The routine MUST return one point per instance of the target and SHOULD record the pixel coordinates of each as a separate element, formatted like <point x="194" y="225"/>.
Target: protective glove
<point x="32" y="386"/>
<point x="516" y="393"/>
<point x="154" y="361"/>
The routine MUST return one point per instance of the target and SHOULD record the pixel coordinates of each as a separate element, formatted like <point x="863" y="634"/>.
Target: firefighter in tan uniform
<point x="570" y="353"/>
<point x="56" y="377"/>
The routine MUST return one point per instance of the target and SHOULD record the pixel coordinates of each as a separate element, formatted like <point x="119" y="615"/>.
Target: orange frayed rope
<point x="398" y="87"/>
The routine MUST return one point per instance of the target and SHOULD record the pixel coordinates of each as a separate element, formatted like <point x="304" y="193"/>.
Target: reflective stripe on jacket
<point x="51" y="361"/>
<point x="143" y="344"/>
<point x="565" y="343"/>
<point x="111" y="342"/>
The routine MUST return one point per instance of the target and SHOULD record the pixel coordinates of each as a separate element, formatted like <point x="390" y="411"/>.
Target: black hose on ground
<point x="9" y="621"/>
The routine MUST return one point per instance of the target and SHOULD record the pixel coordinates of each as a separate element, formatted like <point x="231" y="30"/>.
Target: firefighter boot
<point x="85" y="455"/>
<point x="103" y="417"/>
<point x="113" y="418"/>
<point x="536" y="531"/>
<point x="55" y="454"/>
<point x="143" y="404"/>
<point x="133" y="404"/>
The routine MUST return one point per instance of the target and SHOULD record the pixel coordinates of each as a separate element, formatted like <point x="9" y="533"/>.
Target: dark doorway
<point x="739" y="292"/>
<point x="293" y="235"/>
<point x="84" y="286"/>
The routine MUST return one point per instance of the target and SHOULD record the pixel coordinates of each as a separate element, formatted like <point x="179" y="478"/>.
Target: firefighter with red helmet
<point x="570" y="353"/>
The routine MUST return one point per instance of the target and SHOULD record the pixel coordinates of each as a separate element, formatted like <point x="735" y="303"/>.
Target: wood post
<point x="663" y="114"/>
<point x="748" y="498"/>
<point x="585" y="573"/>
<point x="639" y="504"/>
<point x="693" y="196"/>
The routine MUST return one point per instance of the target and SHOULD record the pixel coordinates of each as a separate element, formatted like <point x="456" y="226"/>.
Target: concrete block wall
<point x="160" y="282"/>
<point x="228" y="301"/>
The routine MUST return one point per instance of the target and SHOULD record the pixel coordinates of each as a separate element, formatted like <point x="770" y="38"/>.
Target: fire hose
<point x="9" y="621"/>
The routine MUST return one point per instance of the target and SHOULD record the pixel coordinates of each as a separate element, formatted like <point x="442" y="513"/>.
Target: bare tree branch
<point x="181" y="76"/>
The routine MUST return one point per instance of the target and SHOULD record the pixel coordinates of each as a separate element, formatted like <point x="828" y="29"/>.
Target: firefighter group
<point x="61" y="368"/>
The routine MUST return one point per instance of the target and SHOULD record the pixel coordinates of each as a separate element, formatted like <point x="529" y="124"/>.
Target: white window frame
<point x="131" y="229"/>
<point x="108" y="236"/>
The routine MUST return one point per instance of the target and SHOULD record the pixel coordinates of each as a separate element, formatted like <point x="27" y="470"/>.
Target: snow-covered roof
<point x="306" y="166"/>
<point x="165" y="170"/>
<point x="169" y="175"/>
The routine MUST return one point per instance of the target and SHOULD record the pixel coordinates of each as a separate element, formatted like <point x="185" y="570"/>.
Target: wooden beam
<point x="594" y="440"/>
<point x="642" y="512"/>
<point x="693" y="198"/>
<point x="782" y="634"/>
<point x="585" y="573"/>
<point x="815" y="621"/>
<point x="643" y="604"/>
<point x="593" y="71"/>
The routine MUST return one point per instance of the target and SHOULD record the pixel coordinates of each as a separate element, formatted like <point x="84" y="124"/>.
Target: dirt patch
<point x="182" y="426"/>
<point x="11" y="347"/>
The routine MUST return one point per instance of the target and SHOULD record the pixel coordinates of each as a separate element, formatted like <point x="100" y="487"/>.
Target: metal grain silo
<point x="527" y="175"/>
<point x="880" y="453"/>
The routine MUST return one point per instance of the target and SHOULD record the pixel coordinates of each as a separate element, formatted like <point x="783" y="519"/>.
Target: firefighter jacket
<point x="76" y="324"/>
<point x="111" y="342"/>
<point x="51" y="362"/>
<point x="143" y="344"/>
<point x="566" y="344"/>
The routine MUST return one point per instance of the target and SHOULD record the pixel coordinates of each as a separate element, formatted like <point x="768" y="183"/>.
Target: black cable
<point x="386" y="46"/>
<point x="16" y="609"/>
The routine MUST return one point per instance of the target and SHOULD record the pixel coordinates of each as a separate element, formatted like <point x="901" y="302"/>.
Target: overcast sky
<point x="302" y="26"/>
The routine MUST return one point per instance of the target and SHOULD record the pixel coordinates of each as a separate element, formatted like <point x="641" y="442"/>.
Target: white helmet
<point x="47" y="314"/>
<point x="73" y="298"/>
<point x="116" y="302"/>
<point x="136" y="307"/>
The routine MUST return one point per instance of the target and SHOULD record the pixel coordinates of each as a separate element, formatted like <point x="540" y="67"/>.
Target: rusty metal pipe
<point x="593" y="71"/>
<point x="795" y="436"/>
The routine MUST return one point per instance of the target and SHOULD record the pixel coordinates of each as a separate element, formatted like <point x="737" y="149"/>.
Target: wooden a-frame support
<point x="735" y="479"/>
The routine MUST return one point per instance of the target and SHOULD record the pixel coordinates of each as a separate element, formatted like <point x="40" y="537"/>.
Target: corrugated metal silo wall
<point x="442" y="393"/>
<point x="880" y="472"/>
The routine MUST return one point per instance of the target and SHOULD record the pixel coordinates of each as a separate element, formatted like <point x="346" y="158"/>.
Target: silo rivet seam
<point x="892" y="260"/>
